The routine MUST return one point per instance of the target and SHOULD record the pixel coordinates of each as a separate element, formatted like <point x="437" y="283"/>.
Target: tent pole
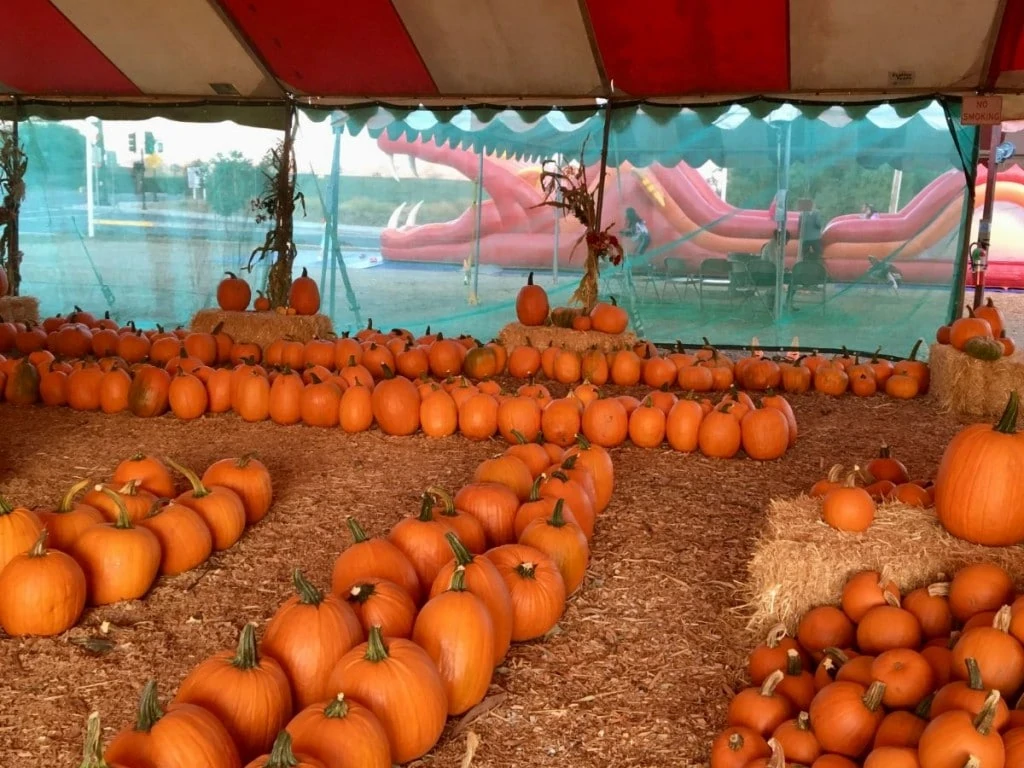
<point x="897" y="187"/>
<point x="338" y="125"/>
<point x="960" y="279"/>
<point x="985" y="225"/>
<point x="479" y="203"/>
<point x="558" y="196"/>
<point x="782" y="213"/>
<point x="604" y="160"/>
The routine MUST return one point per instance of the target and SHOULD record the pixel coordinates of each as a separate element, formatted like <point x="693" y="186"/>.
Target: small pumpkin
<point x="149" y="472"/>
<point x="65" y="522"/>
<point x="984" y="348"/>
<point x="373" y="558"/>
<point x="219" y="506"/>
<point x="609" y="317"/>
<point x="536" y="588"/>
<point x="852" y="714"/>
<point x="563" y="541"/>
<point x="762" y="709"/>
<point x="185" y="540"/>
<point x="342" y="734"/>
<point x="958" y="739"/>
<point x="849" y="508"/>
<point x="382" y="603"/>
<point x="249" y="478"/>
<point x="281" y="755"/>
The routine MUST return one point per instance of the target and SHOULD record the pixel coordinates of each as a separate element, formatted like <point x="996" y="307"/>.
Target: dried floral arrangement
<point x="567" y="188"/>
<point x="13" y="165"/>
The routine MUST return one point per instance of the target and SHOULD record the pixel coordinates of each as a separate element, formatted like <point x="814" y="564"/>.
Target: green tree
<point x="232" y="182"/>
<point x="56" y="154"/>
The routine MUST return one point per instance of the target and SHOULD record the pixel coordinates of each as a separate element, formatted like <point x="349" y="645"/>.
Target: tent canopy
<point x="529" y="51"/>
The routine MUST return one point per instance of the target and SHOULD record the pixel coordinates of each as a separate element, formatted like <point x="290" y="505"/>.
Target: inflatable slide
<point x="688" y="221"/>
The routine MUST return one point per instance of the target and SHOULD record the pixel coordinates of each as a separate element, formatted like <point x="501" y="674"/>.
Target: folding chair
<point x="676" y="272"/>
<point x="757" y="279"/>
<point x="809" y="277"/>
<point x="714" y="272"/>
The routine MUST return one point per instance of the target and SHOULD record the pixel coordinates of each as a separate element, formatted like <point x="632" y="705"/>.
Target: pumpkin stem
<point x="246" y="657"/>
<point x="559" y="475"/>
<point x="520" y="437"/>
<point x="244" y="459"/>
<point x="281" y="755"/>
<point x="358" y="534"/>
<point x="386" y="371"/>
<point x="1008" y="421"/>
<point x="775" y="635"/>
<point x="535" y="488"/>
<point x="939" y="589"/>
<point x="337" y="708"/>
<point x="837" y="656"/>
<point x="914" y="350"/>
<point x="92" y="755"/>
<point x="835" y="474"/>
<point x="972" y="762"/>
<point x="983" y="722"/>
<point x="462" y="555"/>
<point x="124" y="520"/>
<point x="526" y="570"/>
<point x="924" y="709"/>
<point x="376" y="651"/>
<point x="557" y="519"/>
<point x="5" y="506"/>
<point x="736" y="742"/>
<point x="793" y="664"/>
<point x="529" y="279"/>
<point x="458" y="581"/>
<point x="131" y="488"/>
<point x="777" y="759"/>
<point x="873" y="698"/>
<point x="351" y="361"/>
<point x="883" y="452"/>
<point x="893" y="600"/>
<point x="582" y="442"/>
<point x="771" y="683"/>
<point x="803" y="721"/>
<point x="198" y="489"/>
<point x="442" y="498"/>
<point x="1001" y="621"/>
<point x="426" y="514"/>
<point x="149" y="709"/>
<point x="360" y="593"/>
<point x="308" y="593"/>
<point x="67" y="503"/>
<point x="39" y="548"/>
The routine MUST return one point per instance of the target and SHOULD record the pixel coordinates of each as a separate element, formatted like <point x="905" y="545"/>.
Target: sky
<point x="186" y="142"/>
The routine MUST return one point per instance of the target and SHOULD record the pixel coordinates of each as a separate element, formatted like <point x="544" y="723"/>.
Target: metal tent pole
<point x="985" y="225"/>
<point x="338" y="125"/>
<point x="960" y="278"/>
<point x="479" y="203"/>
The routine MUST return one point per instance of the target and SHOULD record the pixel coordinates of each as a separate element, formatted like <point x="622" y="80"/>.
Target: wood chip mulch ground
<point x="638" y="672"/>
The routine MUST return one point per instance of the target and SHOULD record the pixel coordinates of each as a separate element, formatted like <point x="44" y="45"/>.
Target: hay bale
<point x="262" y="327"/>
<point x="800" y="562"/>
<point x="973" y="390"/>
<point x="543" y="336"/>
<point x="19" y="309"/>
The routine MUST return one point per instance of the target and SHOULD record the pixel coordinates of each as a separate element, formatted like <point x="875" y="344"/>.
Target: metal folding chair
<point x="809" y="277"/>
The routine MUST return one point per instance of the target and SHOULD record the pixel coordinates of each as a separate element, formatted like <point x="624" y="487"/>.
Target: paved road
<point x="64" y="211"/>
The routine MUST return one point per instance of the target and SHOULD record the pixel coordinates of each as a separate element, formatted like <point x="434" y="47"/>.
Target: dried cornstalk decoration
<point x="567" y="189"/>
<point x="13" y="164"/>
<point x="277" y="205"/>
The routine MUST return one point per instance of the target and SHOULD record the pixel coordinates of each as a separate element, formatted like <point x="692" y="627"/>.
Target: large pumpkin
<point x="979" y="487"/>
<point x="532" y="305"/>
<point x="304" y="296"/>
<point x="307" y="636"/>
<point x="609" y="318"/>
<point x="396" y="405"/>
<point x="42" y="592"/>
<point x="249" y="694"/>
<point x="233" y="293"/>
<point x="397" y="681"/>
<point x="249" y="478"/>
<point x="342" y="734"/>
<point x="149" y="393"/>
<point x="185" y="736"/>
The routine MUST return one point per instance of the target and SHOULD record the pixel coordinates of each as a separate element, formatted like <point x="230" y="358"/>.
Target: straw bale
<point x="262" y="327"/>
<point x="800" y="562"/>
<point x="970" y="389"/>
<point x="19" y="309"/>
<point x="543" y="336"/>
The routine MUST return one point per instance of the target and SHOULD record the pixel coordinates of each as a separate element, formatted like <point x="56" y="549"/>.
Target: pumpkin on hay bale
<point x="19" y="309"/>
<point x="973" y="389"/>
<point x="800" y="562"/>
<point x="262" y="327"/>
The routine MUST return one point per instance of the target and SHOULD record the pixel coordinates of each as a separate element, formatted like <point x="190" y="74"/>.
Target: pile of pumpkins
<point x="981" y="333"/>
<point x="409" y="634"/>
<point x="534" y="309"/>
<point x="234" y="295"/>
<point x="885" y="680"/>
<point x="849" y="496"/>
<point x="112" y="543"/>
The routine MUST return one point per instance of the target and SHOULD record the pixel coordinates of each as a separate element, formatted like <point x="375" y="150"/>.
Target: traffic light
<point x="131" y="143"/>
<point x="150" y="143"/>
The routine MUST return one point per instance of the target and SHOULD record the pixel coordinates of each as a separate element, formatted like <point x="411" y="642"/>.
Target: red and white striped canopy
<point x="537" y="51"/>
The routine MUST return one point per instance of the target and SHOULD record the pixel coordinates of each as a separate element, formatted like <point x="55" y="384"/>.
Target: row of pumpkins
<point x="365" y="390"/>
<point x="410" y="633"/>
<point x="981" y="333"/>
<point x="114" y="543"/>
<point x="234" y="295"/>
<point x="885" y="680"/>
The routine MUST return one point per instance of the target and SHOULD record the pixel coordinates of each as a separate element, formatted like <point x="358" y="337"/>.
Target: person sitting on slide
<point x="636" y="230"/>
<point x="869" y="211"/>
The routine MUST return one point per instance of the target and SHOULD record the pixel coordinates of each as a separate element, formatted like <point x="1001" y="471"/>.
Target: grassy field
<point x="164" y="281"/>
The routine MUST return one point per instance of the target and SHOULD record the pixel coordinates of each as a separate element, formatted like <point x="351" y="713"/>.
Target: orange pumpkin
<point x="532" y="305"/>
<point x="609" y="317"/>
<point x="304" y="295"/>
<point x="233" y="293"/>
<point x="342" y="734"/>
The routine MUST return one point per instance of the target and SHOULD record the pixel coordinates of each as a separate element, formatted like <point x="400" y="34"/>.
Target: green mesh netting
<point x="417" y="218"/>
